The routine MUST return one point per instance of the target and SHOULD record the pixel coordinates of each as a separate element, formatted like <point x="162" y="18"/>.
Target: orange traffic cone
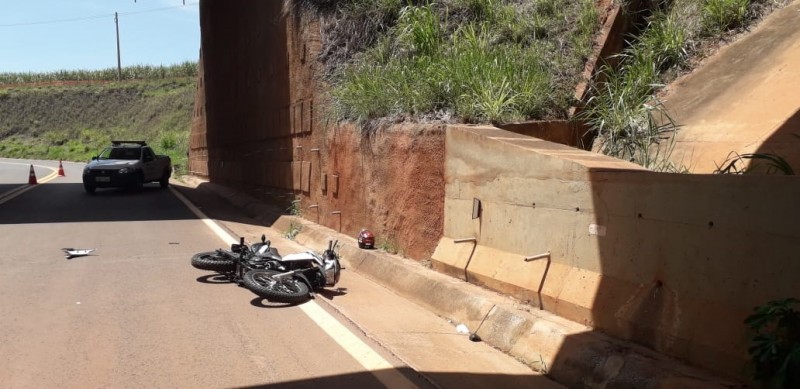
<point x="32" y="177"/>
<point x="60" y="169"/>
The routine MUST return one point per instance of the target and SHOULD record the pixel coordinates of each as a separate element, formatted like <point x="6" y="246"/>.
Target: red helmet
<point x="366" y="239"/>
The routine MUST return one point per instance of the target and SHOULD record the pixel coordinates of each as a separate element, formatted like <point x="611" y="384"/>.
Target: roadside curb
<point x="568" y="352"/>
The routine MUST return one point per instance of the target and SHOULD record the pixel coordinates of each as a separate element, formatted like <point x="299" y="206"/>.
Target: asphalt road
<point x="135" y="314"/>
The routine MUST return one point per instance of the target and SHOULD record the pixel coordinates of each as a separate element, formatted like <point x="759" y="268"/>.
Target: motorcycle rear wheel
<point x="262" y="283"/>
<point x="213" y="261"/>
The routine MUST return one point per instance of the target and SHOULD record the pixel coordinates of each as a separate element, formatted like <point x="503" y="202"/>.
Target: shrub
<point x="721" y="15"/>
<point x="775" y="345"/>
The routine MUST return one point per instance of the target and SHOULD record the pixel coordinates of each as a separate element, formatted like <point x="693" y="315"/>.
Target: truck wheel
<point x="164" y="181"/>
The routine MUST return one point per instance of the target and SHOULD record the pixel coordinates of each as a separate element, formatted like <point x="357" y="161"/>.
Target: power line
<point x="56" y="21"/>
<point x="80" y="19"/>
<point x="157" y="9"/>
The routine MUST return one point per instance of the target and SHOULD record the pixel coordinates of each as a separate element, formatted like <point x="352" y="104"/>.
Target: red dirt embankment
<point x="391" y="183"/>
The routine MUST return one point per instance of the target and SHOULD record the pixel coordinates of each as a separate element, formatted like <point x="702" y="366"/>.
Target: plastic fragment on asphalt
<point x="462" y="329"/>
<point x="72" y="253"/>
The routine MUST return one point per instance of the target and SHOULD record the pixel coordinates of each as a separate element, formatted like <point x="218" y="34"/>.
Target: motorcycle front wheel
<point x="213" y="261"/>
<point x="263" y="283"/>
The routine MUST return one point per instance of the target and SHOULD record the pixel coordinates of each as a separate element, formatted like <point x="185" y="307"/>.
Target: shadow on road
<point x="261" y="302"/>
<point x="69" y="203"/>
<point x="331" y="293"/>
<point x="421" y="379"/>
<point x="214" y="279"/>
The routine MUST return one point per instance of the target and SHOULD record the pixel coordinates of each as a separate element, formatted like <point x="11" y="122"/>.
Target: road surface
<point x="135" y="313"/>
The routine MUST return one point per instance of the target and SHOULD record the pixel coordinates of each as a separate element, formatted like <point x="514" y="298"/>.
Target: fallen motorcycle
<point x="241" y="258"/>
<point x="296" y="276"/>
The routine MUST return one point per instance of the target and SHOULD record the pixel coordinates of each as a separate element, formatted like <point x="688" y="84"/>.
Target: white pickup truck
<point x="127" y="164"/>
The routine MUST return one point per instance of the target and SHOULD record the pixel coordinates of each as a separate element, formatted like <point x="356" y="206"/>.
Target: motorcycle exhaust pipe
<point x="282" y="276"/>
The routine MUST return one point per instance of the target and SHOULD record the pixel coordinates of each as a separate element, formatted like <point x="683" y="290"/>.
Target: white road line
<point x="357" y="348"/>
<point x="224" y="235"/>
<point x="360" y="351"/>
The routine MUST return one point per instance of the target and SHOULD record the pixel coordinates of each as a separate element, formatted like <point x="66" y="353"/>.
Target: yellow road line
<point x="24" y="188"/>
<point x="357" y="348"/>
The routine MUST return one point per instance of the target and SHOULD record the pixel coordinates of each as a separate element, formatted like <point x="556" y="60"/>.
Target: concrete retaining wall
<point x="568" y="352"/>
<point x="673" y="262"/>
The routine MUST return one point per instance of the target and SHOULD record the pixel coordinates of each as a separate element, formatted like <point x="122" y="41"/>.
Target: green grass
<point x="136" y="72"/>
<point x="629" y="122"/>
<point x="293" y="231"/>
<point x="57" y="146"/>
<point x="475" y="61"/>
<point x="388" y="245"/>
<point x="766" y="163"/>
<point x="628" y="119"/>
<point x="74" y="123"/>
<point x="721" y="15"/>
<point x="419" y="30"/>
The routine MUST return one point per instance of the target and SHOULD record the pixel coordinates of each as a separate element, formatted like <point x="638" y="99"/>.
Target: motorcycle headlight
<point x="332" y="271"/>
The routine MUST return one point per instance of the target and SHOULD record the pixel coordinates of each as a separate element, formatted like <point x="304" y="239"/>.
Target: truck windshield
<point x="121" y="153"/>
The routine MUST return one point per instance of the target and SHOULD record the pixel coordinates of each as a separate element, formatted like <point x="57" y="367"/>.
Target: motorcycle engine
<point x="257" y="262"/>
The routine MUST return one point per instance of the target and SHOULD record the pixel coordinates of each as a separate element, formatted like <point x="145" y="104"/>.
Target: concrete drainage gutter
<point x="568" y="352"/>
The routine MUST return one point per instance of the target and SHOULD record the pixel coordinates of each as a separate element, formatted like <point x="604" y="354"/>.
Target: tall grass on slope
<point x="624" y="113"/>
<point x="76" y="122"/>
<point x="721" y="15"/>
<point x="488" y="83"/>
<point x="483" y="83"/>
<point x="629" y="122"/>
<point x="137" y="72"/>
<point x="469" y="60"/>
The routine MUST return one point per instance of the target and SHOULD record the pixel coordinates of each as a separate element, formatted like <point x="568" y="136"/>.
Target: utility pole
<point x="119" y="61"/>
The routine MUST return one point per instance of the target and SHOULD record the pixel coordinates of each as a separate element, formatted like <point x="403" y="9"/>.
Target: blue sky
<point x="48" y="35"/>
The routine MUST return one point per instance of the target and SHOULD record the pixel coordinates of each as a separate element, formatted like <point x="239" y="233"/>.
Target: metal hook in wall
<point x="340" y="218"/>
<point x="544" y="275"/>
<point x="475" y="244"/>
<point x="317" y="207"/>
